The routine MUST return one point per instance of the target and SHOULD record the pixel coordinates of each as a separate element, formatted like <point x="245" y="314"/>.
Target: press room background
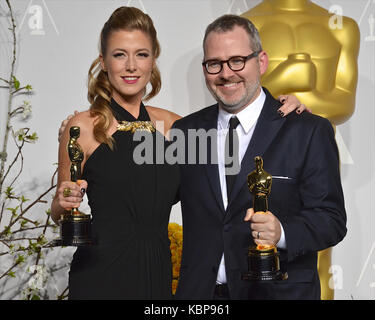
<point x="58" y="46"/>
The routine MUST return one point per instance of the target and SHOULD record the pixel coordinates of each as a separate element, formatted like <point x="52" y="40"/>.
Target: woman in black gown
<point x="130" y="203"/>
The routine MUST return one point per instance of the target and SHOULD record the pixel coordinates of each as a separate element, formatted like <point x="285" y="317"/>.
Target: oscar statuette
<point x="75" y="226"/>
<point x="263" y="260"/>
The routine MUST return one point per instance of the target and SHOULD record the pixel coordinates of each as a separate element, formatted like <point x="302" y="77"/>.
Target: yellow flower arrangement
<point x="175" y="236"/>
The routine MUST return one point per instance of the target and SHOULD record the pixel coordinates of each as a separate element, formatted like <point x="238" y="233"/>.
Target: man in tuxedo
<point x="306" y="205"/>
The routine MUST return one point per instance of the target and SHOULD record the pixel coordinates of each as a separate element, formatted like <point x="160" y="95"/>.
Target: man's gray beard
<point x="234" y="107"/>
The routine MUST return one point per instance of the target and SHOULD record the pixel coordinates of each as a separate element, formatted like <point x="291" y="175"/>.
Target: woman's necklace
<point x="134" y="126"/>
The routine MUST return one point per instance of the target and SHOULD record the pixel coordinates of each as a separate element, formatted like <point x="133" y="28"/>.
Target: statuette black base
<point x="264" y="265"/>
<point x="75" y="230"/>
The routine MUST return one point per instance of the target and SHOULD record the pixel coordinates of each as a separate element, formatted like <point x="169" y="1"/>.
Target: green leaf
<point x="35" y="297"/>
<point x="42" y="240"/>
<point x="23" y="199"/>
<point x="9" y="192"/>
<point x="7" y="231"/>
<point x="16" y="83"/>
<point x="20" y="259"/>
<point x="20" y="134"/>
<point x="11" y="274"/>
<point x="13" y="210"/>
<point x="24" y="223"/>
<point x="32" y="138"/>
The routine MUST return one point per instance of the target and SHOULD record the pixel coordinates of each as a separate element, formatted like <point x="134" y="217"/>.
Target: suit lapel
<point x="267" y="128"/>
<point x="211" y="168"/>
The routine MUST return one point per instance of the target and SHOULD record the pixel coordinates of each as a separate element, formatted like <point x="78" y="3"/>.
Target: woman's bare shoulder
<point x="160" y="114"/>
<point x="85" y="121"/>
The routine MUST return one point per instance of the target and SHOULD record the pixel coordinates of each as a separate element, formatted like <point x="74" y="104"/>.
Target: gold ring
<point x="67" y="192"/>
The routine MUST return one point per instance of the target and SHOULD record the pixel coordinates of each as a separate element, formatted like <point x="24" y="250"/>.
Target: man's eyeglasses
<point x="236" y="63"/>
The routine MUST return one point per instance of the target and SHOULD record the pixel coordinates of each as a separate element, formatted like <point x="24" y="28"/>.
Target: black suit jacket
<point x="309" y="205"/>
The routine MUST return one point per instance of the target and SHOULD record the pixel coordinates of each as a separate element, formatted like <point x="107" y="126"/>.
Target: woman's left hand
<point x="290" y="103"/>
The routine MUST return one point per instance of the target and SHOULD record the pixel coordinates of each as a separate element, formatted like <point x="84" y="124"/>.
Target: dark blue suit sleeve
<point x="321" y="222"/>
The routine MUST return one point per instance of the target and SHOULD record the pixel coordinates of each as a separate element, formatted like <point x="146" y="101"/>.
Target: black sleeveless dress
<point x="130" y="207"/>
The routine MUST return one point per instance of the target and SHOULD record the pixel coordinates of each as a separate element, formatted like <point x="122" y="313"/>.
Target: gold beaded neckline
<point x="134" y="126"/>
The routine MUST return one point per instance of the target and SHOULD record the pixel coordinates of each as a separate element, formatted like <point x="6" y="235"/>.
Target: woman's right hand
<point x="70" y="194"/>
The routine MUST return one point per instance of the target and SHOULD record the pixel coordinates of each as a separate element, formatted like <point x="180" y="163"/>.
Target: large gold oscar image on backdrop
<point x="312" y="55"/>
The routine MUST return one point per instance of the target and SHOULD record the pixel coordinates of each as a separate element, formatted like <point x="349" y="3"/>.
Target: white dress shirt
<point x="248" y="118"/>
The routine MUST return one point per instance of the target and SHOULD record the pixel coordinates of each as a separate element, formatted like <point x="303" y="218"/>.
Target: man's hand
<point x="265" y="227"/>
<point x="64" y="123"/>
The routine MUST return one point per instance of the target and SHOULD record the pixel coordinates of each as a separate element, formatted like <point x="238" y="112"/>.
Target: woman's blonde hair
<point x="99" y="87"/>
